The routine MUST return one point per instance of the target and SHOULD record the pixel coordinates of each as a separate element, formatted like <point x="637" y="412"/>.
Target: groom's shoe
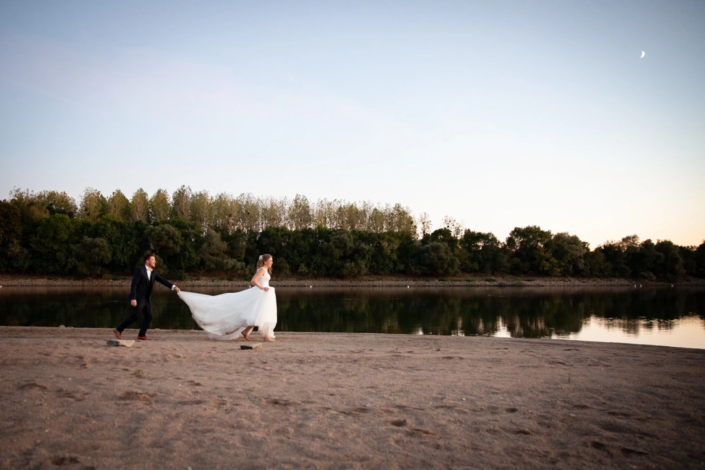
<point x="144" y="338"/>
<point x="117" y="334"/>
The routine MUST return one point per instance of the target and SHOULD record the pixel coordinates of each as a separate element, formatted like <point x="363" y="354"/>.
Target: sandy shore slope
<point x="345" y="401"/>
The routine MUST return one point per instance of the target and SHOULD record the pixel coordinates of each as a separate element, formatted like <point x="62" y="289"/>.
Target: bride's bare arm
<point x="259" y="274"/>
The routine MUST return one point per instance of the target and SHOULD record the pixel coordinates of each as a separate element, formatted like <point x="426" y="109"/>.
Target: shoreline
<point x="327" y="400"/>
<point x="468" y="282"/>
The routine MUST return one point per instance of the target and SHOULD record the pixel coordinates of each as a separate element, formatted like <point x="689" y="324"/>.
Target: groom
<point x="141" y="296"/>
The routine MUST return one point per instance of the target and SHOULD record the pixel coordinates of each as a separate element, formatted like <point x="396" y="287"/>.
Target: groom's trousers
<point x="144" y="307"/>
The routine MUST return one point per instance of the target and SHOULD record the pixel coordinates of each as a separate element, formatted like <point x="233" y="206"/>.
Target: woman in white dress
<point x="227" y="316"/>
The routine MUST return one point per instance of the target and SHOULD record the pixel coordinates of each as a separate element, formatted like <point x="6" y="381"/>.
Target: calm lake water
<point x="663" y="316"/>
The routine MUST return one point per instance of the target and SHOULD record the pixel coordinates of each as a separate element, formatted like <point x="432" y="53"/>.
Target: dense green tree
<point x="10" y="235"/>
<point x="164" y="239"/>
<point x="93" y="205"/>
<point x="200" y="210"/>
<point x="223" y="210"/>
<point x="445" y="236"/>
<point x="687" y="254"/>
<point x="436" y="258"/>
<point x="58" y="202"/>
<point x="119" y="206"/>
<point x="300" y="216"/>
<point x="181" y="203"/>
<point x="139" y="206"/>
<point x="568" y="251"/>
<point x="530" y="251"/>
<point x="248" y="215"/>
<point x="237" y="243"/>
<point x="31" y="209"/>
<point x="614" y="261"/>
<point x="51" y="242"/>
<point x="378" y="253"/>
<point x="10" y="224"/>
<point x="645" y="260"/>
<point x="159" y="206"/>
<point x="49" y="202"/>
<point x="699" y="259"/>
<point x="214" y="254"/>
<point x="273" y="213"/>
<point x="124" y="246"/>
<point x="91" y="256"/>
<point x="186" y="259"/>
<point x="483" y="253"/>
<point x="671" y="265"/>
<point x="594" y="263"/>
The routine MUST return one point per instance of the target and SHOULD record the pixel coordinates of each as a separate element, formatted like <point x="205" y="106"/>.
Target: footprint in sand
<point x="277" y="401"/>
<point x="31" y="386"/>
<point x="628" y="451"/>
<point x="618" y="414"/>
<point x="135" y="396"/>
<point x="598" y="445"/>
<point x="190" y="402"/>
<point x="418" y="432"/>
<point x="63" y="461"/>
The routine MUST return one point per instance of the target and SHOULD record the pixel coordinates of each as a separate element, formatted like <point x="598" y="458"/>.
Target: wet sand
<point x="345" y="401"/>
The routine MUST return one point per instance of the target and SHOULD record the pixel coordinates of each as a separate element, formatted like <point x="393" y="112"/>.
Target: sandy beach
<point x="345" y="401"/>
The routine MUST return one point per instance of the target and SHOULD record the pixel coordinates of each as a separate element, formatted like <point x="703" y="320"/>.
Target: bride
<point x="227" y="316"/>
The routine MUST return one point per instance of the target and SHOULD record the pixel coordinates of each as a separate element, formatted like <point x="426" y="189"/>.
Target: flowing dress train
<point x="224" y="316"/>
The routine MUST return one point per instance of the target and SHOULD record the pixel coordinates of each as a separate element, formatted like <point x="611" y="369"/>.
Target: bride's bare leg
<point x="246" y="332"/>
<point x="268" y="339"/>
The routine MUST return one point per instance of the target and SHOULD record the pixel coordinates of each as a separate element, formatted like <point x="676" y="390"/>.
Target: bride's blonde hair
<point x="262" y="259"/>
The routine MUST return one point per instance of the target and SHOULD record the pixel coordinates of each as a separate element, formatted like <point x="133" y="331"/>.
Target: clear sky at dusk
<point x="498" y="113"/>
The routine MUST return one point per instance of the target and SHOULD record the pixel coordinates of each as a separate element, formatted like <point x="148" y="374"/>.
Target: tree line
<point x="194" y="233"/>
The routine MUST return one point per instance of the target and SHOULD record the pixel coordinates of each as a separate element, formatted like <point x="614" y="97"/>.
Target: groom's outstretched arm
<point x="161" y="280"/>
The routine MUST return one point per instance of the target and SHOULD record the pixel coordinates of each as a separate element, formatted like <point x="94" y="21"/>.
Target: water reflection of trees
<point x="525" y="313"/>
<point x="529" y="313"/>
<point x="85" y="308"/>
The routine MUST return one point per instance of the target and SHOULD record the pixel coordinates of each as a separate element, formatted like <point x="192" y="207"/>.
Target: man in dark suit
<point x="141" y="296"/>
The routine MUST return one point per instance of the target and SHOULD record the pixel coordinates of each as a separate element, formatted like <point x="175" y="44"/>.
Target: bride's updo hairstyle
<point x="263" y="259"/>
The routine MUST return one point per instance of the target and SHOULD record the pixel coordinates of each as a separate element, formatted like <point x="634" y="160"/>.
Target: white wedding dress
<point x="224" y="316"/>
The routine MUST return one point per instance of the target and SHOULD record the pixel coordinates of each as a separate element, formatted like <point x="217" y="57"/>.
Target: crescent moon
<point x="642" y="54"/>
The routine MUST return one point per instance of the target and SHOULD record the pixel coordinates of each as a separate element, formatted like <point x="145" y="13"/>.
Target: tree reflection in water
<point x="524" y="312"/>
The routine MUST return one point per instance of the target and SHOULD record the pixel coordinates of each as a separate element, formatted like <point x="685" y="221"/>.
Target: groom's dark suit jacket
<point x="142" y="285"/>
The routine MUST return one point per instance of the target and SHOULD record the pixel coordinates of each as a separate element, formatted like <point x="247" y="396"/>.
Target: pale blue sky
<point x="500" y="114"/>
